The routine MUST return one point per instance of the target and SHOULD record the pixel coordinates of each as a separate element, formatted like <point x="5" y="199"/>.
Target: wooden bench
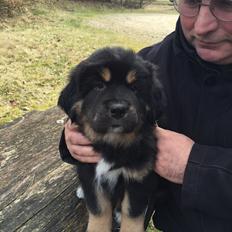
<point x="37" y="189"/>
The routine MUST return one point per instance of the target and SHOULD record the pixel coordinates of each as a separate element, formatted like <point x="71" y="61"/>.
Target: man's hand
<point x="79" y="146"/>
<point x="173" y="153"/>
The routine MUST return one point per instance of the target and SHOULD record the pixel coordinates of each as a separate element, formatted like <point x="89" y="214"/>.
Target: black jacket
<point x="200" y="106"/>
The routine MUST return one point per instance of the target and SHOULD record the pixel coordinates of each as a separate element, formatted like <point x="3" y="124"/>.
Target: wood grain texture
<point x="37" y="189"/>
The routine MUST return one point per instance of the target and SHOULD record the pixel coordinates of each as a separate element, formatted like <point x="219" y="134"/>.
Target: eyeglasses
<point x="221" y="9"/>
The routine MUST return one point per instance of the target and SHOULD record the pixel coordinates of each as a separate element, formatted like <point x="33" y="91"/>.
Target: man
<point x="195" y="149"/>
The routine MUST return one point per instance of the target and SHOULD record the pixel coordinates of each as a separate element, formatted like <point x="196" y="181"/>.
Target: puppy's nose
<point x="118" y="110"/>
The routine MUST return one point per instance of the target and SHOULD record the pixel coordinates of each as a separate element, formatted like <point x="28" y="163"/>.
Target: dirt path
<point x="150" y="27"/>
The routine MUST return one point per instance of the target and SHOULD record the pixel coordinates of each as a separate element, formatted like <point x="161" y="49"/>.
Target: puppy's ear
<point x="158" y="100"/>
<point x="71" y="93"/>
<point x="158" y="97"/>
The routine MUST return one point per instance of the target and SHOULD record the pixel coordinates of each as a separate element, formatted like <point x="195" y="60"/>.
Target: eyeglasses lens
<point x="221" y="9"/>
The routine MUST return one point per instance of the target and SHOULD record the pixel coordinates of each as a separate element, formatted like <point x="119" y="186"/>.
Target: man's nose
<point x="205" y="22"/>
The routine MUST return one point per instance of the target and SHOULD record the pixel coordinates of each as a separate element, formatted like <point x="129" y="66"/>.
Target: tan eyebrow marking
<point x="106" y="75"/>
<point x="131" y="77"/>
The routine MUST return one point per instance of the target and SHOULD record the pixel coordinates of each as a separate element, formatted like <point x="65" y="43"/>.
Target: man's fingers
<point x="84" y="154"/>
<point x="78" y="145"/>
<point x="70" y="125"/>
<point x="84" y="151"/>
<point x="159" y="129"/>
<point x="78" y="138"/>
<point x="72" y="135"/>
<point x="87" y="159"/>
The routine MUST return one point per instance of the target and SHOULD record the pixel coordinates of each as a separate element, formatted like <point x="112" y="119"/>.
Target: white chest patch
<point x="102" y="168"/>
<point x="104" y="174"/>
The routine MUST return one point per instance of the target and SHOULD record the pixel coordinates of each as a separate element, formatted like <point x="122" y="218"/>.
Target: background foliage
<point x="10" y="8"/>
<point x="41" y="42"/>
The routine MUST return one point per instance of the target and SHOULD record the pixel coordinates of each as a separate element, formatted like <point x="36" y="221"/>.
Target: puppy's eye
<point x="100" y="86"/>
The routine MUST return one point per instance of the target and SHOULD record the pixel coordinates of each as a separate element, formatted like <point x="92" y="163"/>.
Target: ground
<point x="141" y="26"/>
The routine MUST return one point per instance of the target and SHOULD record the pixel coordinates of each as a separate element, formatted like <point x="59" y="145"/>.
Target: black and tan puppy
<point x="115" y="99"/>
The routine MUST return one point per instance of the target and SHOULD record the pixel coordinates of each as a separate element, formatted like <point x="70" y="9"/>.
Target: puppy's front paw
<point x="80" y="193"/>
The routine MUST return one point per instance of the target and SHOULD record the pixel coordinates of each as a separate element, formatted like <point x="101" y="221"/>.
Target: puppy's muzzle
<point x="117" y="109"/>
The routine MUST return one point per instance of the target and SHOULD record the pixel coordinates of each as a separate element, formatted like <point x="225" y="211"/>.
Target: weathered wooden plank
<point x="64" y="213"/>
<point x="37" y="190"/>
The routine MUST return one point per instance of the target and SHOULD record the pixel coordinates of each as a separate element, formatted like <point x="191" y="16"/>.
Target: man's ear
<point x="71" y="93"/>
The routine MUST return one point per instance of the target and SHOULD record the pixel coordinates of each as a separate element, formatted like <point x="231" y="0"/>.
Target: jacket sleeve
<point x="207" y="185"/>
<point x="64" y="152"/>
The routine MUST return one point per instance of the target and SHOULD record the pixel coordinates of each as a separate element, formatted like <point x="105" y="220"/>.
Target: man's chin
<point x="218" y="53"/>
<point x="212" y="56"/>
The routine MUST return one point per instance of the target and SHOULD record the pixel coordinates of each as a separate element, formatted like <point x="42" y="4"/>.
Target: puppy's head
<point x="112" y="95"/>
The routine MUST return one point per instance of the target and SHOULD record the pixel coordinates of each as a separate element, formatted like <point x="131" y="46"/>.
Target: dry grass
<point x="38" y="50"/>
<point x="8" y="8"/>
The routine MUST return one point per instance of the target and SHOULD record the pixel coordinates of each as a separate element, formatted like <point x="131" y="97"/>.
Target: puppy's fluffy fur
<point x="115" y="98"/>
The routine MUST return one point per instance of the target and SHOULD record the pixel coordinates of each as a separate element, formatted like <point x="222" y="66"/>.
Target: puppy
<point x="115" y="99"/>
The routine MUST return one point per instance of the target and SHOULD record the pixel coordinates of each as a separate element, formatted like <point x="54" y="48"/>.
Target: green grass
<point x="39" y="49"/>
